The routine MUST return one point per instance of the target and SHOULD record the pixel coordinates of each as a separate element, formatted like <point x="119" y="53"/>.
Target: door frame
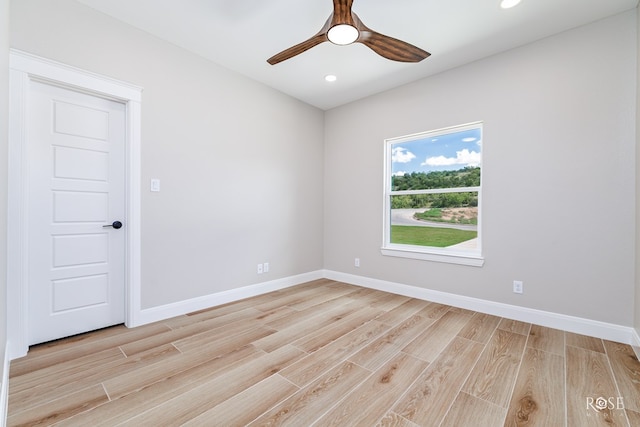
<point x="25" y="68"/>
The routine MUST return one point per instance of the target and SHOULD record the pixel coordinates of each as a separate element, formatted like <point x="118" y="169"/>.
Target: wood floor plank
<point x="377" y="299"/>
<point x="585" y="342"/>
<point x="428" y="345"/>
<point x="538" y="398"/>
<point x="468" y="410"/>
<point x="206" y="395"/>
<point x="480" y="327"/>
<point x="142" y="394"/>
<point x="312" y="366"/>
<point x="590" y="379"/>
<point x="391" y="419"/>
<point x="190" y="364"/>
<point x="325" y="335"/>
<point x="461" y="310"/>
<point x="633" y="417"/>
<point x="246" y="406"/>
<point x="388" y="302"/>
<point x="546" y="339"/>
<point x="378" y="393"/>
<point x="493" y="376"/>
<point x="626" y="371"/>
<point x="297" y="297"/>
<point x="428" y="400"/>
<point x="229" y="322"/>
<point x="300" y="329"/>
<point x="264" y="316"/>
<point x="319" y="296"/>
<point x="236" y="309"/>
<point x="60" y="373"/>
<point x="516" y="326"/>
<point x="75" y="341"/>
<point x="308" y="404"/>
<point x="63" y="353"/>
<point x="60" y="409"/>
<point x="85" y="377"/>
<point x="224" y="339"/>
<point x="97" y="340"/>
<point x="275" y="314"/>
<point x="296" y="316"/>
<point x="337" y="360"/>
<point x="382" y="349"/>
<point x="403" y="312"/>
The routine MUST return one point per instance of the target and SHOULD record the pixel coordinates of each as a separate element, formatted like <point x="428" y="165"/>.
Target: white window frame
<point x="428" y="253"/>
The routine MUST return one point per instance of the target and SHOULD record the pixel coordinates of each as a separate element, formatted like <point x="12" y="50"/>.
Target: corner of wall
<point x="4" y="143"/>
<point x="637" y="248"/>
<point x="4" y="388"/>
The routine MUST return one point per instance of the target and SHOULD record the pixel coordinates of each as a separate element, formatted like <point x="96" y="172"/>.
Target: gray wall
<point x="558" y="173"/>
<point x="243" y="175"/>
<point x="4" y="113"/>
<point x="637" y="296"/>
<point x="240" y="164"/>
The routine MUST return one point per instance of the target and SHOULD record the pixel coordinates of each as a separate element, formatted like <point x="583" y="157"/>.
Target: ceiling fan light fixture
<point x="507" y="4"/>
<point x="344" y="27"/>
<point x="343" y="34"/>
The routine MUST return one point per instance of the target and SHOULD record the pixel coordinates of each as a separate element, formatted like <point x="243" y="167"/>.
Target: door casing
<point x="25" y="68"/>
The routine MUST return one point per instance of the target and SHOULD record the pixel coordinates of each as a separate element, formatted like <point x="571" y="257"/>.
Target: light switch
<point x="155" y="185"/>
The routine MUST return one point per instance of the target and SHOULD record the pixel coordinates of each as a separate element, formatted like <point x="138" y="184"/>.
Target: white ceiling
<point x="242" y="34"/>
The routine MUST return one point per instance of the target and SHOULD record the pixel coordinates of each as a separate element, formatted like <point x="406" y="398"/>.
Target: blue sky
<point x="451" y="151"/>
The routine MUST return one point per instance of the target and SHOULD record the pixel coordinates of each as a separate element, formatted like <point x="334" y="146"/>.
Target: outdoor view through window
<point x="433" y="192"/>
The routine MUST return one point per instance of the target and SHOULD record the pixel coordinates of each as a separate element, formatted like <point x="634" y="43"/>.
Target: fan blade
<point x="342" y="12"/>
<point x="386" y="46"/>
<point x="320" y="37"/>
<point x="391" y="48"/>
<point x="298" y="49"/>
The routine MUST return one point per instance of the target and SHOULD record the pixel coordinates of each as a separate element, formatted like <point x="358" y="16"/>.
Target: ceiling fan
<point x="344" y="27"/>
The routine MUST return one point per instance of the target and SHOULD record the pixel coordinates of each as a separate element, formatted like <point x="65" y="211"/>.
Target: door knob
<point x="115" y="224"/>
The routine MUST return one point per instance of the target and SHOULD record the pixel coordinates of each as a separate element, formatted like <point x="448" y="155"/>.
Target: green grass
<point x="433" y="213"/>
<point x="429" y="236"/>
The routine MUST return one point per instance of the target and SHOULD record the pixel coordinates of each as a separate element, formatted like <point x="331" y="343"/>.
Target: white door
<point x="75" y="157"/>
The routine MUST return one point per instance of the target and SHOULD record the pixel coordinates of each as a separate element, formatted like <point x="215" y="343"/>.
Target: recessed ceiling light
<point x="507" y="4"/>
<point x="330" y="78"/>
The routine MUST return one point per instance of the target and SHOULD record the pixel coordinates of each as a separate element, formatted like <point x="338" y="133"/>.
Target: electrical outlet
<point x="260" y="268"/>
<point x="518" y="287"/>
<point x="265" y="267"/>
<point x="356" y="262"/>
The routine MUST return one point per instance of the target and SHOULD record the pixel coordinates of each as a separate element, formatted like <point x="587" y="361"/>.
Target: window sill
<point x="444" y="256"/>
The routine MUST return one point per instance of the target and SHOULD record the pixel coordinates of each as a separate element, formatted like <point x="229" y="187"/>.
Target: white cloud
<point x="469" y="139"/>
<point x="464" y="157"/>
<point x="400" y="173"/>
<point x="401" y="155"/>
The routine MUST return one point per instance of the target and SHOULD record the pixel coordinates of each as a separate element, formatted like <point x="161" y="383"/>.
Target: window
<point x="432" y="197"/>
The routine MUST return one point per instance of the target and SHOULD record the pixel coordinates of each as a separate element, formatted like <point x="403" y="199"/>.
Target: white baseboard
<point x="4" y="388"/>
<point x="180" y="308"/>
<point x="594" y="328"/>
<point x="636" y="343"/>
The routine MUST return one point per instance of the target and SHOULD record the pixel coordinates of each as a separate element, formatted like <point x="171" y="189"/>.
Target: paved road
<point x="405" y="217"/>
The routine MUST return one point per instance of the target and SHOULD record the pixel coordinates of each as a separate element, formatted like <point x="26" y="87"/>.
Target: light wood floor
<point x="326" y="353"/>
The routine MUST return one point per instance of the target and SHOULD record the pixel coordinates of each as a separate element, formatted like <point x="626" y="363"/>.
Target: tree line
<point x="466" y="177"/>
